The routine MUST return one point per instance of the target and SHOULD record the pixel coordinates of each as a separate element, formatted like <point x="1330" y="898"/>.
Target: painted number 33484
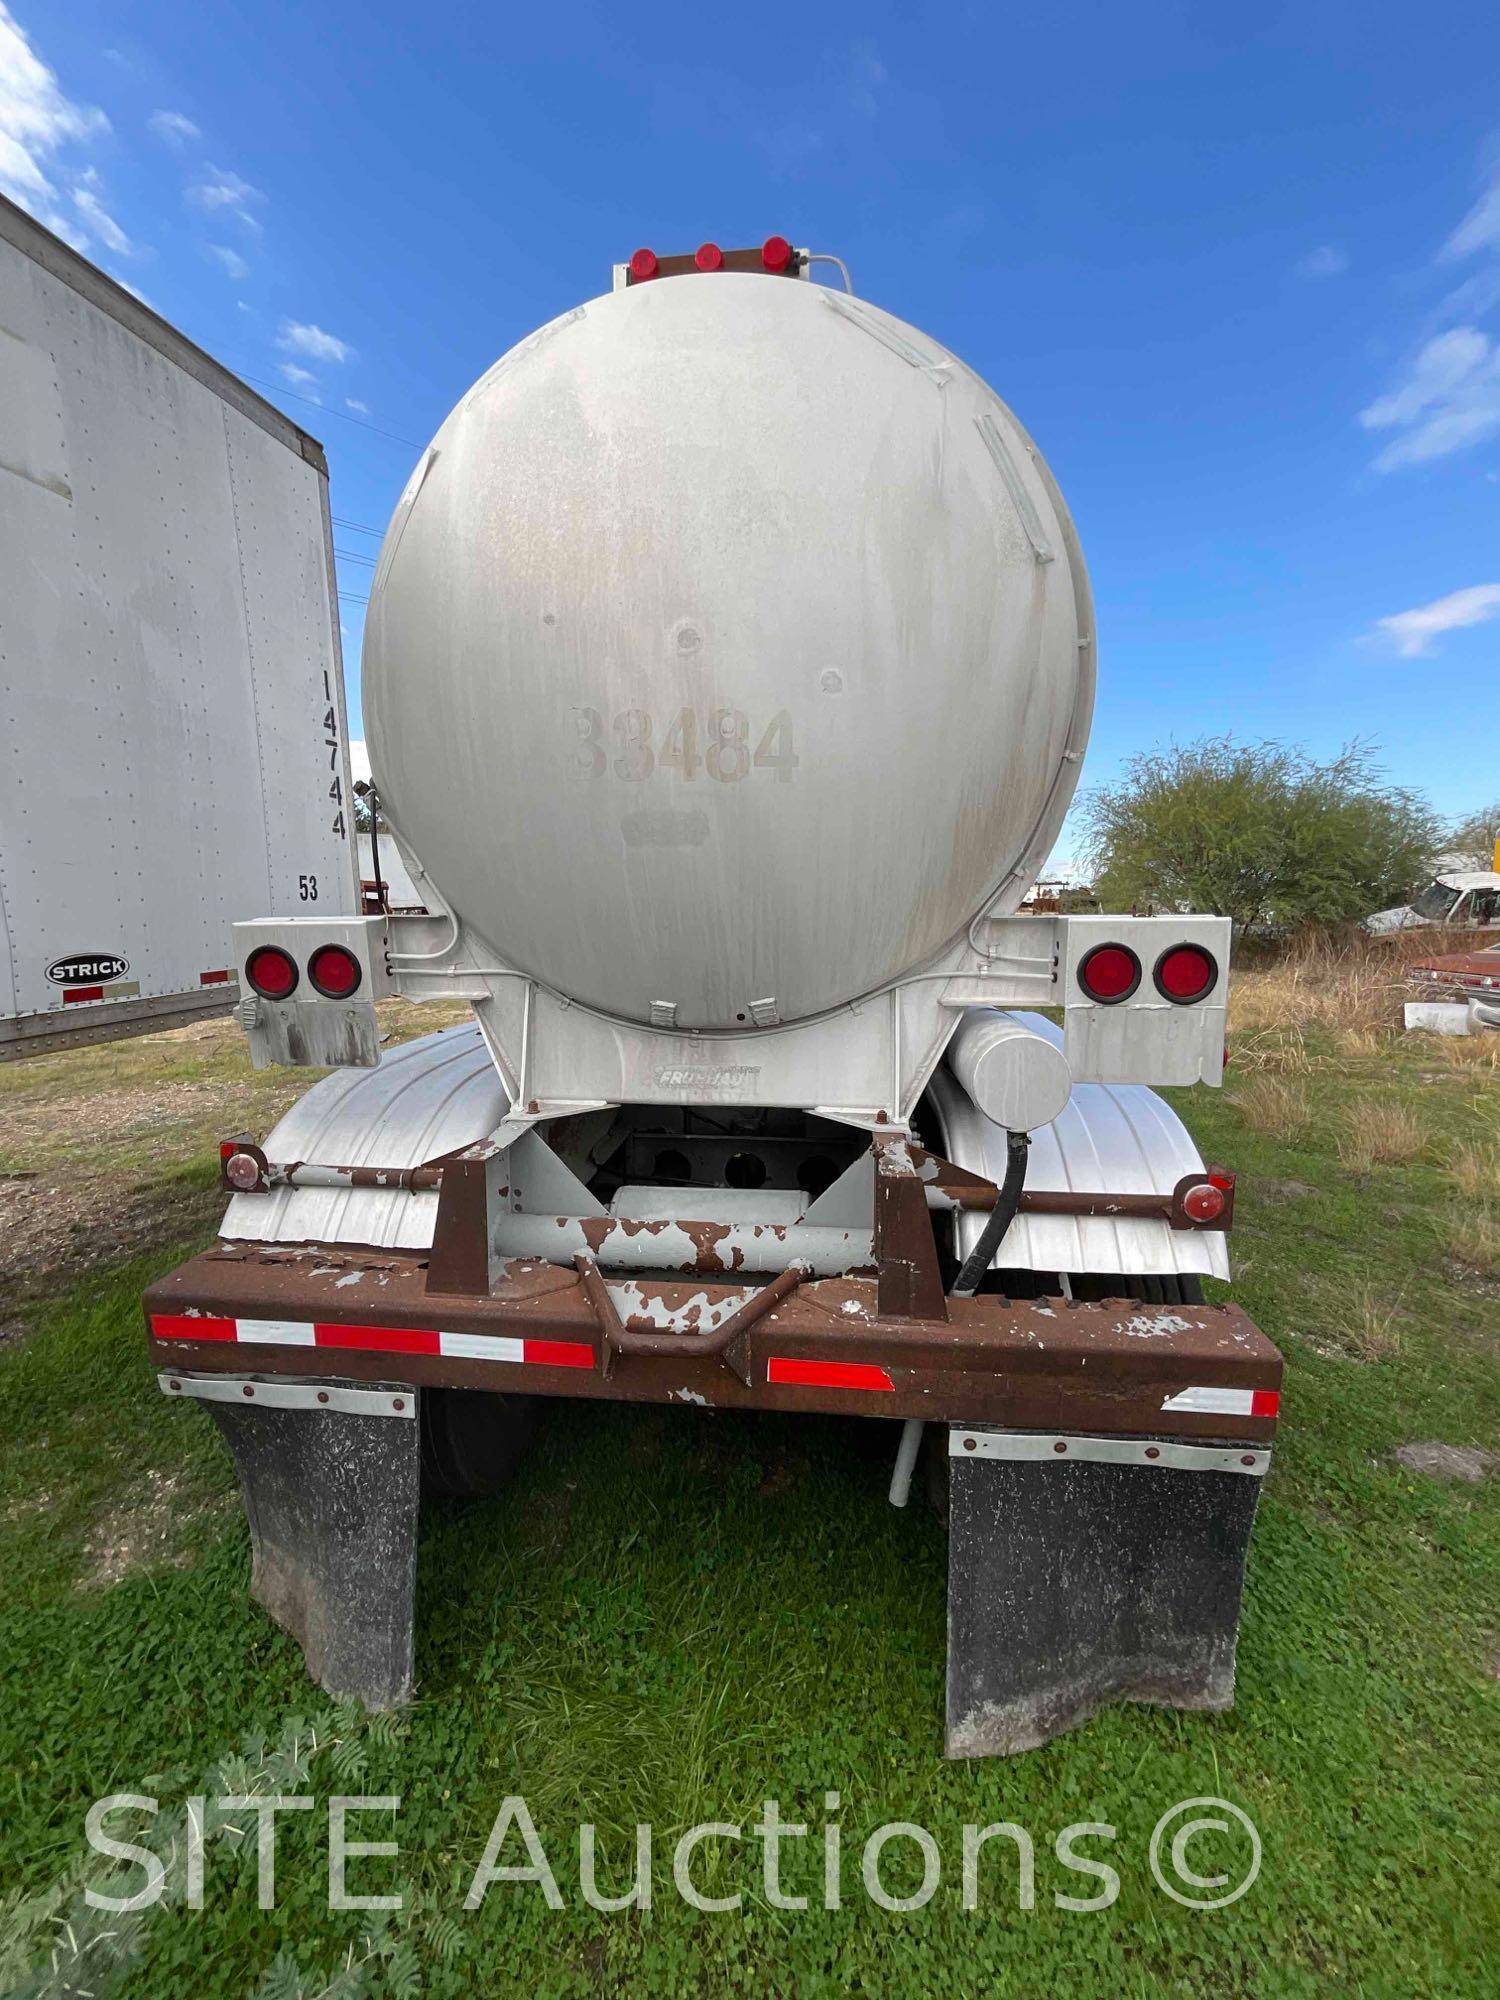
<point x="720" y="744"/>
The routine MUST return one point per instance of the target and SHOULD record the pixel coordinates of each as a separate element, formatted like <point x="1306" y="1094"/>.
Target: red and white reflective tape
<point x="783" y="1369"/>
<point x="375" y="1339"/>
<point x="1218" y="1402"/>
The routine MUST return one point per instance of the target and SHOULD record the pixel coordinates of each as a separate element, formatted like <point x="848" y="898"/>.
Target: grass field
<point x="672" y="1617"/>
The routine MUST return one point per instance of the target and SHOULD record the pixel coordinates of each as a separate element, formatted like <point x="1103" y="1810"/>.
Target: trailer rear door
<point x="173" y="749"/>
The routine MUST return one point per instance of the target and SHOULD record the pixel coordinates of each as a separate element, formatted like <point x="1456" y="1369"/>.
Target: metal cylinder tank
<point x="729" y="652"/>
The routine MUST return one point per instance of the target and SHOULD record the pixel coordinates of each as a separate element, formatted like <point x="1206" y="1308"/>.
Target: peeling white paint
<point x="1160" y="1326"/>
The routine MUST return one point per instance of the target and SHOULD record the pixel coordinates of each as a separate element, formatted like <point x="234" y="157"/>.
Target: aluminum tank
<point x="730" y="649"/>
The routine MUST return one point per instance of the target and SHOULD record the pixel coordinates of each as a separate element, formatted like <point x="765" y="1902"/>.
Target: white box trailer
<point x="173" y="746"/>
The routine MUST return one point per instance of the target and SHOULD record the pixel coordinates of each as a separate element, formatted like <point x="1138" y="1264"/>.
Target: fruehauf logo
<point x="87" y="968"/>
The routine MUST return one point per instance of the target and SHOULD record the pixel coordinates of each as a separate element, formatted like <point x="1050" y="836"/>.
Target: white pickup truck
<point x="1461" y="899"/>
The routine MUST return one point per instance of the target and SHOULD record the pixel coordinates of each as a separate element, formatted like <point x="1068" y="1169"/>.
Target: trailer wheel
<point x="471" y="1439"/>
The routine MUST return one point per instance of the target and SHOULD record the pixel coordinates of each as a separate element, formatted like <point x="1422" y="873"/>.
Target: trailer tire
<point x="472" y="1440"/>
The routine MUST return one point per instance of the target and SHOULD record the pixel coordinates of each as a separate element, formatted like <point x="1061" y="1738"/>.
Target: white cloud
<point x="173" y="128"/>
<point x="359" y="757"/>
<point x="1413" y="632"/>
<point x="353" y="403"/>
<point x="222" y="192"/>
<point x="37" y="122"/>
<point x="866" y="76"/>
<point x="1324" y="262"/>
<point x="232" y="261"/>
<point x="1448" y="398"/>
<point x="300" y="378"/>
<point x="134" y="290"/>
<point x="299" y="338"/>
<point x="89" y="203"/>
<point x="1480" y="228"/>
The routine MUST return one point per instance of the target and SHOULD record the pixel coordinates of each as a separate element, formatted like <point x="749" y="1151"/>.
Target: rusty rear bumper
<point x="1113" y="1368"/>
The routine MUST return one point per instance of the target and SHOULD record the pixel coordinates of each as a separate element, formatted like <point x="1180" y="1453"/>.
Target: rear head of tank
<point x="731" y="643"/>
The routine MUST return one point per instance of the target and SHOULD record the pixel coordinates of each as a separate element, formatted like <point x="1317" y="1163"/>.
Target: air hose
<point x="1002" y="1215"/>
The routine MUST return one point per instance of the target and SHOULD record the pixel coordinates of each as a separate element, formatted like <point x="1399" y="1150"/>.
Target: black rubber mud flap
<point x="1078" y="1580"/>
<point x="332" y="1498"/>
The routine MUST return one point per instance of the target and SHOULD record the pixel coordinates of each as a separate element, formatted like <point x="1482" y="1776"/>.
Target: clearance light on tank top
<point x="709" y="257"/>
<point x="643" y="266"/>
<point x="272" y="972"/>
<point x="776" y="253"/>
<point x="1185" y="973"/>
<point x="334" y="971"/>
<point x="1109" y="973"/>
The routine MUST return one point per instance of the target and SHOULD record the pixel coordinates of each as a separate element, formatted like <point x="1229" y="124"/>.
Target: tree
<point x="1474" y="837"/>
<point x="1260" y="832"/>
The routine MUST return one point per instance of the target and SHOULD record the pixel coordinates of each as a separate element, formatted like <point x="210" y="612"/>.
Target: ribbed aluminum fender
<point x="1119" y="1138"/>
<point x="427" y="1097"/>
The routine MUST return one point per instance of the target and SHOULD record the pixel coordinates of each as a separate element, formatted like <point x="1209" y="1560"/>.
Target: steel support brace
<point x="1079" y="1578"/>
<point x="332" y="1499"/>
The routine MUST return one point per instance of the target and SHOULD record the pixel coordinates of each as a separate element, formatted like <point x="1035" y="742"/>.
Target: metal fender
<point x="427" y="1098"/>
<point x="1119" y="1138"/>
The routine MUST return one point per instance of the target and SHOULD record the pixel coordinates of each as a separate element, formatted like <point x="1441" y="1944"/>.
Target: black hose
<point x="381" y="901"/>
<point x="1002" y="1215"/>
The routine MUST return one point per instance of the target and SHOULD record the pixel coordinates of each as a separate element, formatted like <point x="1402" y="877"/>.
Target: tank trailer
<point x="728" y="672"/>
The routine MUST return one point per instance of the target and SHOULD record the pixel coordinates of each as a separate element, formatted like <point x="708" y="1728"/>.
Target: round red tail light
<point x="1204" y="1203"/>
<point x="272" y="972"/>
<point x="776" y="253"/>
<point x="1185" y="973"/>
<point x="334" y="971"/>
<point x="643" y="265"/>
<point x="1109" y="973"/>
<point x="709" y="258"/>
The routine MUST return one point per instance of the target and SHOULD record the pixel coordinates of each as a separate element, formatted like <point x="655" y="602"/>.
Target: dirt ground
<point x="112" y="1150"/>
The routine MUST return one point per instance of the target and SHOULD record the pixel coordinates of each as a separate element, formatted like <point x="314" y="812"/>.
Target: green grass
<point x="670" y="1617"/>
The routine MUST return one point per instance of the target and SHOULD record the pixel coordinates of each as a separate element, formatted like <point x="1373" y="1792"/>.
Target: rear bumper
<point x="1112" y="1369"/>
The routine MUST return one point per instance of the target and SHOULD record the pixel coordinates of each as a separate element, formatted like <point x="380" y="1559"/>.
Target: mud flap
<point x="332" y="1497"/>
<point x="1085" y="1571"/>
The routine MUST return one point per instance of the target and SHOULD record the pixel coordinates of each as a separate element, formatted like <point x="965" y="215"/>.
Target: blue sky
<point x="1238" y="272"/>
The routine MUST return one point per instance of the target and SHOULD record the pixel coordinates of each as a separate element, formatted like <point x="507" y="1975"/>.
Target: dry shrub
<point x="1274" y="1105"/>
<point x="1349" y="987"/>
<point x="1358" y="1323"/>
<point x="1378" y="1131"/>
<point x="1475" y="1052"/>
<point x="1283" y="1051"/>
<point x="1474" y="1240"/>
<point x="1474" y="1169"/>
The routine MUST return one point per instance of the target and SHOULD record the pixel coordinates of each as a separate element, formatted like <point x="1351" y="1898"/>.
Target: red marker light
<point x="709" y="258"/>
<point x="334" y="971"/>
<point x="776" y="253"/>
<point x="1204" y="1203"/>
<point x="272" y="972"/>
<point x="1109" y="973"/>
<point x="1186" y="973"/>
<point x="643" y="266"/>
